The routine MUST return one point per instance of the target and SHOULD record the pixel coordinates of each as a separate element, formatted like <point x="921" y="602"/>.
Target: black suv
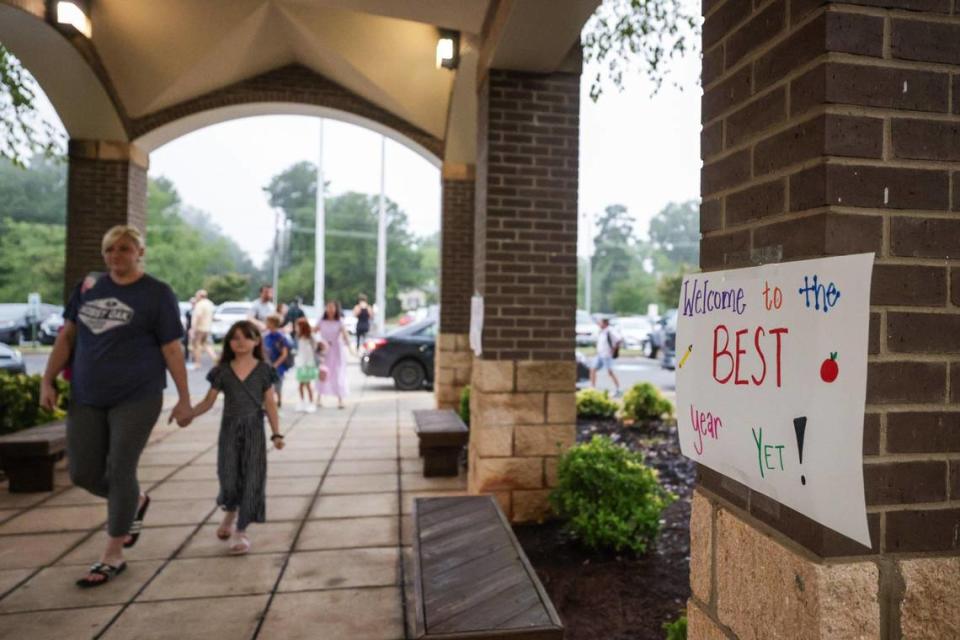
<point x="406" y="355"/>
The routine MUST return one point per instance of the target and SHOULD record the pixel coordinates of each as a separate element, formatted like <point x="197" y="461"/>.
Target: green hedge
<point x="644" y="402"/>
<point x="592" y="403"/>
<point x="465" y="405"/>
<point x="20" y="402"/>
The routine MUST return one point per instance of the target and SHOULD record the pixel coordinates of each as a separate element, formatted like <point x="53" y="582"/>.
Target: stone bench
<point x="28" y="456"/>
<point x="471" y="578"/>
<point x="442" y="436"/>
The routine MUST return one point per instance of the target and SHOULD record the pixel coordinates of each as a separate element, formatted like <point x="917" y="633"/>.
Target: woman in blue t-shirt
<point x="124" y="333"/>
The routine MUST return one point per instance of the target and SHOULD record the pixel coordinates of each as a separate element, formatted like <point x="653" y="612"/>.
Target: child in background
<point x="322" y="370"/>
<point x="276" y="351"/>
<point x="306" y="363"/>
<point x="246" y="382"/>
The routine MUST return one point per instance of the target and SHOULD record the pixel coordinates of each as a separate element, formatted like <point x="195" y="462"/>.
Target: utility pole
<point x="276" y="253"/>
<point x="319" y="268"/>
<point x="382" y="242"/>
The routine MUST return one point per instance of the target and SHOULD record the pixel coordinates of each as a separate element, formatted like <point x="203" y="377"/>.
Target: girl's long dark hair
<point x="249" y="330"/>
<point x="337" y="315"/>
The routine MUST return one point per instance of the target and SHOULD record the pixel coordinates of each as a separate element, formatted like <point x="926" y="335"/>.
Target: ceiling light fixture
<point x="448" y="49"/>
<point x="70" y="14"/>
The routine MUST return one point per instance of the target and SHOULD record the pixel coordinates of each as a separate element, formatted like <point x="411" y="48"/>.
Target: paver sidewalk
<point x="329" y="563"/>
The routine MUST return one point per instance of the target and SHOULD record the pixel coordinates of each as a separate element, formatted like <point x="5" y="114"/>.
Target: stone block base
<point x="522" y="417"/>
<point x="452" y="369"/>
<point x="750" y="582"/>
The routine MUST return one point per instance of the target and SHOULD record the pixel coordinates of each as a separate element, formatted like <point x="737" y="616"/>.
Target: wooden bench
<point x="28" y="456"/>
<point x="442" y="436"/>
<point x="471" y="577"/>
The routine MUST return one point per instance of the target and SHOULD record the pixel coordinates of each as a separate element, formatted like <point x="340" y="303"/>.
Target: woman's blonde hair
<point x="120" y="231"/>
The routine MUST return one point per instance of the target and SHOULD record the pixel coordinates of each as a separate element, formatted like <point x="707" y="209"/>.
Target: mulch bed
<point x="608" y="597"/>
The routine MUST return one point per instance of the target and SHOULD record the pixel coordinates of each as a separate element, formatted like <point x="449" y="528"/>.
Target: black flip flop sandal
<point x="108" y="571"/>
<point x="137" y="525"/>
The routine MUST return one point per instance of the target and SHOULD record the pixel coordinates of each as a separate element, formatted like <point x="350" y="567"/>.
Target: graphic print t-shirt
<point x="120" y="329"/>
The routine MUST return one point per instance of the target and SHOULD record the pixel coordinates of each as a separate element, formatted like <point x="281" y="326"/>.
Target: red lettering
<point x="763" y="360"/>
<point x="736" y="378"/>
<point x="777" y="333"/>
<point x="723" y="352"/>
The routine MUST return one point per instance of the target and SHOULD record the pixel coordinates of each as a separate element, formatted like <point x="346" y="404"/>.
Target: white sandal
<point x="239" y="543"/>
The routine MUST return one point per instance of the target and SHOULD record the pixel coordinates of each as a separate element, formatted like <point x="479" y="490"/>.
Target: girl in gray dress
<point x="247" y="385"/>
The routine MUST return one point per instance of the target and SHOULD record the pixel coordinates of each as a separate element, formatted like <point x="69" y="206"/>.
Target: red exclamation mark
<point x="800" y="427"/>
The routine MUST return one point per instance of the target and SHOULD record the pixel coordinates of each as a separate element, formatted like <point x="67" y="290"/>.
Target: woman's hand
<point x="48" y="395"/>
<point x="182" y="413"/>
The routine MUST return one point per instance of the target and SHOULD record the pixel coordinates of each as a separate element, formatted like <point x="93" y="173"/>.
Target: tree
<point x="31" y="259"/>
<point x="25" y="132"/>
<point x="38" y="194"/>
<point x="668" y="288"/>
<point x="675" y="235"/>
<point x="618" y="256"/>
<point x="184" y="254"/>
<point x="350" y="249"/>
<point x="227" y="286"/>
<point x="655" y="31"/>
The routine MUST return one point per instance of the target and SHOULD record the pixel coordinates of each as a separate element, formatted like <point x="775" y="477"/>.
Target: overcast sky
<point x="636" y="150"/>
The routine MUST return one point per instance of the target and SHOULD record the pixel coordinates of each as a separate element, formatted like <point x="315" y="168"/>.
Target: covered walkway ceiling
<point x="149" y="56"/>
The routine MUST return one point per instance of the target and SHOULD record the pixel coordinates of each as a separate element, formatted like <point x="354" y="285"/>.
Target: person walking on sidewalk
<point x="306" y="361"/>
<point x="608" y="349"/>
<point x="247" y="385"/>
<point x="202" y="322"/>
<point x="277" y="351"/>
<point x="331" y="330"/>
<point x="124" y="333"/>
<point x="363" y="312"/>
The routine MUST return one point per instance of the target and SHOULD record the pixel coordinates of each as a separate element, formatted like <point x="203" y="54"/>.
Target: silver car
<point x="225" y="315"/>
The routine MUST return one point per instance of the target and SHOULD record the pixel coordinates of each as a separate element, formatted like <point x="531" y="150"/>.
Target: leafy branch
<point x="25" y="133"/>
<point x="655" y="31"/>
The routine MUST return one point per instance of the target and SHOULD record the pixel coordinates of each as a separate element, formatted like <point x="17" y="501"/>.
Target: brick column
<point x="106" y="185"/>
<point x="454" y="359"/>
<point x="827" y="131"/>
<point x="522" y="401"/>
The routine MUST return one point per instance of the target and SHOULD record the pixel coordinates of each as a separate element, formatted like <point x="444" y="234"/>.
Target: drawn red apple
<point x="829" y="370"/>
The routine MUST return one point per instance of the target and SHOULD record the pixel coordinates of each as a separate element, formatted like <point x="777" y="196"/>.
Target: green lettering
<point x="758" y="441"/>
<point x="780" y="451"/>
<point x="766" y="455"/>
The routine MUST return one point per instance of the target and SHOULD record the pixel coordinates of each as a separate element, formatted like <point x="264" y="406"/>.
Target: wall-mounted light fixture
<point x="71" y="15"/>
<point x="448" y="49"/>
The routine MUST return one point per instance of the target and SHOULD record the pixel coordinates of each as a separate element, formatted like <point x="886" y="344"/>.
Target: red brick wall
<point x="456" y="254"/>
<point x="826" y="131"/>
<point x="526" y="223"/>
<point x="101" y="193"/>
<point x="292" y="83"/>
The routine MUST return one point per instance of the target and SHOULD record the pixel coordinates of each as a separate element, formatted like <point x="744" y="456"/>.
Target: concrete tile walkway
<point x="329" y="563"/>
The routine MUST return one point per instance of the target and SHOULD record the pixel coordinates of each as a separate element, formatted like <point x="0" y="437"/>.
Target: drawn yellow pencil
<point x="685" y="356"/>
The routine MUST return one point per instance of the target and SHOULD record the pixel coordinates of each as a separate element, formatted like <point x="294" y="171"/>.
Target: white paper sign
<point x="771" y="382"/>
<point x="476" y="324"/>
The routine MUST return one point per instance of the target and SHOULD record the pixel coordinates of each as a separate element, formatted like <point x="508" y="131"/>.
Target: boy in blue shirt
<point x="276" y="350"/>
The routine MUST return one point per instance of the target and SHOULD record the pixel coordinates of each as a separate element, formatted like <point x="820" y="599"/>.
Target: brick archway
<point x="290" y="89"/>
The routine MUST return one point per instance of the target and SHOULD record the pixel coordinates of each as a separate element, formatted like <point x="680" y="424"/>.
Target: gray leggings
<point x="103" y="449"/>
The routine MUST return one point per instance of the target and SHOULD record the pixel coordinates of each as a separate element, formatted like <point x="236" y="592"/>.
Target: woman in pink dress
<point x="331" y="330"/>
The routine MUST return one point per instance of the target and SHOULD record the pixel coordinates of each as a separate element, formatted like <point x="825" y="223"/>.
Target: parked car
<point x="225" y="315"/>
<point x="17" y="324"/>
<point x="50" y="327"/>
<point x="587" y="329"/>
<point x="635" y="331"/>
<point x="10" y="360"/>
<point x="668" y="359"/>
<point x="406" y="355"/>
<point x="656" y="337"/>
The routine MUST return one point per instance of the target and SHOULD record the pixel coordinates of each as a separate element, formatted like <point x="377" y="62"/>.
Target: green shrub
<point x="643" y="402"/>
<point x="465" y="405"/>
<point x="592" y="403"/>
<point x="20" y="402"/>
<point x="676" y="630"/>
<point x="610" y="498"/>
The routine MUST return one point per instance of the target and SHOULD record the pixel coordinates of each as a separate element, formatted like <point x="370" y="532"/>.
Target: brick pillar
<point x="522" y="401"/>
<point x="106" y="185"/>
<point x="454" y="359"/>
<point x="826" y="131"/>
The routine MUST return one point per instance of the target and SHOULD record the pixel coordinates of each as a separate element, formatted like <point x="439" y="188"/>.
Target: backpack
<point x="614" y="346"/>
<point x="291" y="352"/>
